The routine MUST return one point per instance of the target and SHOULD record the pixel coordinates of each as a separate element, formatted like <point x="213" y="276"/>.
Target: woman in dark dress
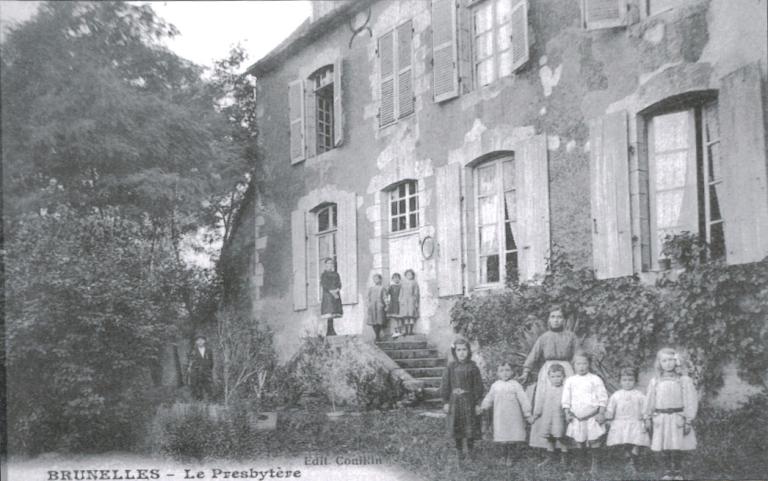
<point x="462" y="392"/>
<point x="330" y="307"/>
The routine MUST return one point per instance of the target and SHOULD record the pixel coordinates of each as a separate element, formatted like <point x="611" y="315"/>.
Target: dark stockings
<point x="460" y="447"/>
<point x="329" y="331"/>
<point x="377" y="331"/>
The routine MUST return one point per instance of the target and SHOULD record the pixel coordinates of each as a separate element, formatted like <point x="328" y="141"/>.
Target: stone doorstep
<point x="398" y="354"/>
<point x="420" y="362"/>
<point x="398" y="345"/>
<point x="430" y="372"/>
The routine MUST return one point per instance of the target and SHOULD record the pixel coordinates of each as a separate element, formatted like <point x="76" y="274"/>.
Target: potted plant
<point x="683" y="250"/>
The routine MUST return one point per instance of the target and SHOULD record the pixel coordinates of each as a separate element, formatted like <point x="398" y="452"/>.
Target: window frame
<point x="411" y="192"/>
<point x="501" y="221"/>
<point x="496" y="27"/>
<point x="331" y="232"/>
<point x="323" y="85"/>
<point x="698" y="159"/>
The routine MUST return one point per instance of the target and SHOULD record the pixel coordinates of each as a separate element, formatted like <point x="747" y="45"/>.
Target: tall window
<point x="404" y="206"/>
<point x="492" y="27"/>
<point x="323" y="88"/>
<point x="685" y="176"/>
<point x="327" y="225"/>
<point x="496" y="201"/>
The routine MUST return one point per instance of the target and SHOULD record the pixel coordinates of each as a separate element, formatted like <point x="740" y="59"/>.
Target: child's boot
<point x="677" y="466"/>
<point x="667" y="466"/>
<point x="593" y="465"/>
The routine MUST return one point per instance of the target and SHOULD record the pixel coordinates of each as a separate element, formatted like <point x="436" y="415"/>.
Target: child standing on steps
<point x="625" y="411"/>
<point x="462" y="390"/>
<point x="584" y="403"/>
<point x="550" y="419"/>
<point x="393" y="306"/>
<point x="409" y="301"/>
<point x="511" y="409"/>
<point x="376" y="316"/>
<point x="670" y="408"/>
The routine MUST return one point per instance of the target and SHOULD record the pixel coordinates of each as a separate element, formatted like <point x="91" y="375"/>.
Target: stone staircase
<point x="422" y="361"/>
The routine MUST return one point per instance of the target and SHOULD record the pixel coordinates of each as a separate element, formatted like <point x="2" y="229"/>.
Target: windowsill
<point x="398" y="120"/>
<point x="329" y="154"/>
<point x="403" y="233"/>
<point x="670" y="14"/>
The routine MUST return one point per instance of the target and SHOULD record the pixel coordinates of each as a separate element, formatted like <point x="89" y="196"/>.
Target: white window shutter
<point x="338" y="111"/>
<point x="597" y="14"/>
<point x="519" y="40"/>
<point x="347" y="248"/>
<point x="449" y="266"/>
<point x="444" y="50"/>
<point x="609" y="192"/>
<point x="387" y="78"/>
<point x="405" y="103"/>
<point x="310" y="122"/>
<point x="299" y="253"/>
<point x="532" y="206"/>
<point x="296" y="116"/>
<point x="743" y="144"/>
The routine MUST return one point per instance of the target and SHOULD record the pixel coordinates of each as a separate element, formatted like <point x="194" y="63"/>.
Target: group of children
<point x="397" y="303"/>
<point x="571" y="408"/>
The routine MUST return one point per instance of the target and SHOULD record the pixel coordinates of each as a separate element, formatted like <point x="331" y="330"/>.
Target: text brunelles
<point x="148" y="474"/>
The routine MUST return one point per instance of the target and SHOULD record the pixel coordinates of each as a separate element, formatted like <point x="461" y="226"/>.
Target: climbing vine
<point x="714" y="312"/>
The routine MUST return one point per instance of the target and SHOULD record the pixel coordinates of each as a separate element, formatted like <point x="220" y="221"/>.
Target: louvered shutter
<point x="532" y="206"/>
<point x="743" y="144"/>
<point x="444" y="50"/>
<point x="387" y="74"/>
<point x="519" y="40"/>
<point x="299" y="254"/>
<point x="347" y="249"/>
<point x="598" y="14"/>
<point x="449" y="273"/>
<point x="609" y="191"/>
<point x="338" y="112"/>
<point x="405" y="103"/>
<point x="296" y="116"/>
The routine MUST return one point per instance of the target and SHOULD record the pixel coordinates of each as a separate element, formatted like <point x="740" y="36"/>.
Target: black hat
<point x="200" y="335"/>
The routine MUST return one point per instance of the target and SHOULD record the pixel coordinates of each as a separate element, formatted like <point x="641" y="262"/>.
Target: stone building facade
<point x="464" y="139"/>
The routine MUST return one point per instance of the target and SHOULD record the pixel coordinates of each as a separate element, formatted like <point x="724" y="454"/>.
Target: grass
<point x="732" y="446"/>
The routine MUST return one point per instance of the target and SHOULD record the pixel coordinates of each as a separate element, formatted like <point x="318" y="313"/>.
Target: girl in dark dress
<point x="462" y="392"/>
<point x="330" y="307"/>
<point x="393" y="305"/>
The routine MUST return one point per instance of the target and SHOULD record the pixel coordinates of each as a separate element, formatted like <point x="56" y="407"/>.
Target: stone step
<point x="432" y="392"/>
<point x="410" y="353"/>
<point x="397" y="345"/>
<point x="428" y="382"/>
<point x="420" y="372"/>
<point x="421" y="362"/>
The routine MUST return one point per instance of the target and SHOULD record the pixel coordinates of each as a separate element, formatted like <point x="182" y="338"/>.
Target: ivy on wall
<point x="714" y="313"/>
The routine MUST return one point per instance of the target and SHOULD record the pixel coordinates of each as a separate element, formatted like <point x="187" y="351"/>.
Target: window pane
<point x="325" y="246"/>
<point x="717" y="241"/>
<point x="503" y="11"/>
<point x="508" y="168"/>
<point x="510" y="205"/>
<point x="401" y="223"/>
<point x="485" y="72"/>
<point x="711" y="122"/>
<point x="414" y="221"/>
<point x="483" y="18"/>
<point x="714" y="203"/>
<point x="668" y="207"/>
<point x="401" y="206"/>
<point x="488" y="210"/>
<point x="334" y="222"/>
<point x="488" y="240"/>
<point x="411" y="188"/>
<point x="484" y="46"/>
<point x="670" y="131"/>
<point x="401" y="190"/>
<point x="512" y="269"/>
<point x="505" y="63"/>
<point x="393" y="208"/>
<point x="323" y="220"/>
<point x="394" y="224"/>
<point x="486" y="177"/>
<point x="413" y="204"/>
<point x="509" y="237"/>
<point x="503" y="39"/>
<point x="671" y="170"/>
<point x="715" y="172"/>
<point x="489" y="269"/>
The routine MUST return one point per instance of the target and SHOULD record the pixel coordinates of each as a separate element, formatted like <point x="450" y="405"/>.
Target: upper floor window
<point x="404" y="206"/>
<point x="685" y="176"/>
<point x="500" y="33"/>
<point x="395" y="76"/>
<point x="322" y="81"/>
<point x="496" y="226"/>
<point x="596" y="14"/>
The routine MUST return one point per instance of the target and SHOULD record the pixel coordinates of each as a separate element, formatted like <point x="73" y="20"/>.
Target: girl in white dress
<point x="671" y="405"/>
<point x="625" y="411"/>
<point x="584" y="403"/>
<point x="511" y="409"/>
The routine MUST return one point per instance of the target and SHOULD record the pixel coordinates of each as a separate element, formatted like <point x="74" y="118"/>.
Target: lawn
<point x="731" y="446"/>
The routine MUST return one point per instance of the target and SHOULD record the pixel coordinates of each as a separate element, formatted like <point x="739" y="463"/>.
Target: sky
<point x="208" y="29"/>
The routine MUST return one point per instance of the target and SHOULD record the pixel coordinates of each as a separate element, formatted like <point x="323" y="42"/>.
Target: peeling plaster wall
<point x="573" y="76"/>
